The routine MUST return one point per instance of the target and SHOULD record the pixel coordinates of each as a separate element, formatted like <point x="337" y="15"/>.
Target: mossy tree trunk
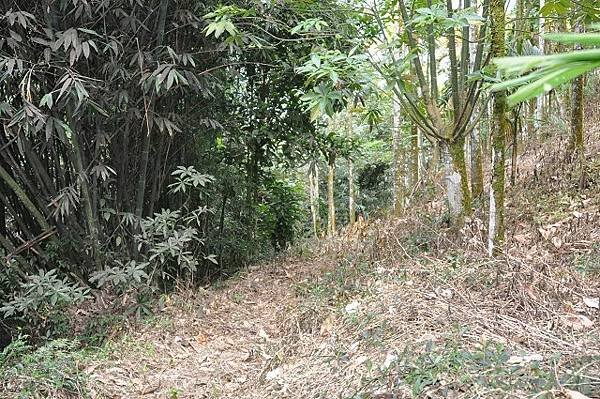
<point x="330" y="199"/>
<point x="458" y="193"/>
<point x="313" y="186"/>
<point x="459" y="168"/>
<point x="497" y="187"/>
<point x="577" y="109"/>
<point x="398" y="159"/>
<point x="476" y="164"/>
<point x="351" y="185"/>
<point x="415" y="154"/>
<point x="351" y="193"/>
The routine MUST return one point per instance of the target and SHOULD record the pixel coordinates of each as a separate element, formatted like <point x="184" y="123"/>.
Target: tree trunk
<point x="539" y="111"/>
<point x="456" y="177"/>
<point x="141" y="189"/>
<point x="82" y="178"/>
<point x="415" y="153"/>
<point x="24" y="199"/>
<point x="497" y="187"/>
<point x="531" y="114"/>
<point x="330" y="199"/>
<point x="351" y="187"/>
<point x="514" y="154"/>
<point x="577" y="109"/>
<point x="476" y="164"/>
<point x="398" y="184"/>
<point x="432" y="61"/>
<point x="351" y="193"/>
<point x="313" y="186"/>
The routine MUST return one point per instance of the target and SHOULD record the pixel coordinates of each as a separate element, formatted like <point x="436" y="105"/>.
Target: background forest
<point x="152" y="148"/>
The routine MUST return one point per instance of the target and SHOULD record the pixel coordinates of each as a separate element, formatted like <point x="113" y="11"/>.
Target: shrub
<point x="42" y="299"/>
<point x="51" y="370"/>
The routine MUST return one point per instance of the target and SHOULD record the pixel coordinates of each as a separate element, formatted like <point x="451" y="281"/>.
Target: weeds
<point x="491" y="371"/>
<point x="50" y="371"/>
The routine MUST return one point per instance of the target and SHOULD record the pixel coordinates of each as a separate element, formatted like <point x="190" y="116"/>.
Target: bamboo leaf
<point x="588" y="39"/>
<point x="556" y="78"/>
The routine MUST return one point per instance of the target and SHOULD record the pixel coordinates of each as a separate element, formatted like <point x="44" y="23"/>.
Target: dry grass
<point x="393" y="310"/>
<point x="354" y="324"/>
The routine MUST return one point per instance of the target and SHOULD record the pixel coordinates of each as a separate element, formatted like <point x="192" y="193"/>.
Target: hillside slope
<point x="394" y="310"/>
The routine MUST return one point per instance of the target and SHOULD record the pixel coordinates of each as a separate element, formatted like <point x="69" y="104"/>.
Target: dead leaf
<point x="352" y="307"/>
<point x="576" y="321"/>
<point x="530" y="292"/>
<point x="201" y="338"/>
<point x="272" y="374"/>
<point x="557" y="242"/>
<point x="522" y="238"/>
<point x="592" y="302"/>
<point x="263" y="334"/>
<point x="327" y="326"/>
<point x="575" y="395"/>
<point x="546" y="233"/>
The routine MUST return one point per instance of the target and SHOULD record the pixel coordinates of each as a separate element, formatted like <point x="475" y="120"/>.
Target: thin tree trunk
<point x="141" y="189"/>
<point x="351" y="187"/>
<point x="514" y="133"/>
<point x="432" y="61"/>
<point x="577" y="110"/>
<point x="453" y="64"/>
<point x="351" y="193"/>
<point x="87" y="200"/>
<point x="539" y="112"/>
<point x="330" y="199"/>
<point x="313" y="186"/>
<point x="222" y="226"/>
<point x="531" y="115"/>
<point x="398" y="183"/>
<point x="24" y="199"/>
<point x="415" y="152"/>
<point x="476" y="164"/>
<point x="497" y="187"/>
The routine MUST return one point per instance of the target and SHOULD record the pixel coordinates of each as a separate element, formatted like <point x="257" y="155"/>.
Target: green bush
<point x="41" y="300"/>
<point x="49" y="371"/>
<point x="282" y="212"/>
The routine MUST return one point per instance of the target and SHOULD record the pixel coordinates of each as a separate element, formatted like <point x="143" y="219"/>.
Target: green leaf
<point x="47" y="100"/>
<point x="587" y="39"/>
<point x="548" y="82"/>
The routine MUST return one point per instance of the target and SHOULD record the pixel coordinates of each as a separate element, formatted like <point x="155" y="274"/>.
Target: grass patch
<point x="336" y="287"/>
<point x="49" y="371"/>
<point x="490" y="371"/>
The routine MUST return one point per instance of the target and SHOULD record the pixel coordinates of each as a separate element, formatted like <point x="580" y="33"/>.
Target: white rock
<point x="389" y="359"/>
<point x="525" y="359"/>
<point x="592" y="302"/>
<point x="271" y="375"/>
<point x="352" y="307"/>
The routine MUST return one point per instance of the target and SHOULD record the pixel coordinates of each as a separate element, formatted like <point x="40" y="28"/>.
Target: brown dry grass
<point x="363" y="315"/>
<point x="283" y="330"/>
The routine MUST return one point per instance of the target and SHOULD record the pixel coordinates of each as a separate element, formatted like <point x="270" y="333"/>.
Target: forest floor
<point x="392" y="309"/>
<point x="395" y="309"/>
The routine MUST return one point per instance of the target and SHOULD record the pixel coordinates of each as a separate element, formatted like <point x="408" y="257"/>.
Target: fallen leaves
<point x="575" y="395"/>
<point x="576" y="321"/>
<point x="525" y="359"/>
<point x="593" y="303"/>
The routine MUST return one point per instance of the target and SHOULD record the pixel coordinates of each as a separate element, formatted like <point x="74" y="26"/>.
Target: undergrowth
<point x="52" y="370"/>
<point x="491" y="370"/>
